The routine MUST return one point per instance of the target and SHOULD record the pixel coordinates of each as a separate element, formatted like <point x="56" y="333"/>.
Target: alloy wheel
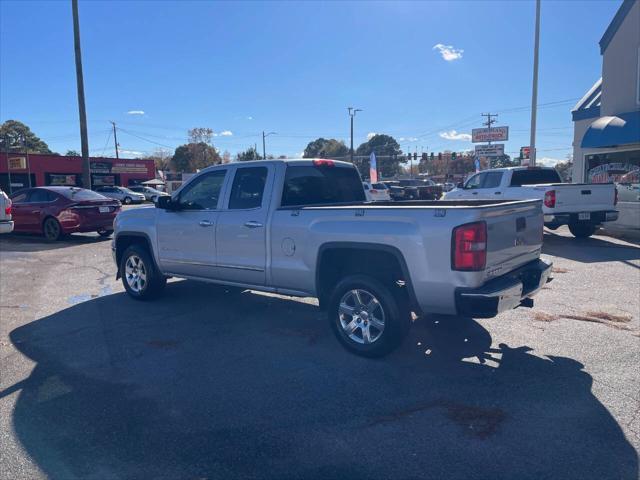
<point x="135" y="273"/>
<point x="361" y="316"/>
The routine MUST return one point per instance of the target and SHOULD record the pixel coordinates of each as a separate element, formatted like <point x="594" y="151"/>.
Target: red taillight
<point x="7" y="208"/>
<point x="469" y="247"/>
<point x="615" y="197"/>
<point x="373" y="190"/>
<point x="323" y="163"/>
<point x="550" y="199"/>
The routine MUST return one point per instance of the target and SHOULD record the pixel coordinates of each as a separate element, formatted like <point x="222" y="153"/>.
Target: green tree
<point x="388" y="155"/>
<point x="161" y="158"/>
<point x="72" y="153"/>
<point x="504" y="161"/>
<point x="249" y="154"/>
<point x="325" y="148"/>
<point x="181" y="160"/>
<point x="13" y="136"/>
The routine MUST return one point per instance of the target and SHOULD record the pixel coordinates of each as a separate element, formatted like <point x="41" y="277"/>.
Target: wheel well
<point x="336" y="263"/>
<point x="124" y="241"/>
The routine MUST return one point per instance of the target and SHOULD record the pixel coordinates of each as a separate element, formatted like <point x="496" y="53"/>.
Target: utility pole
<point x="534" y="92"/>
<point x="264" y="149"/>
<point x="84" y="141"/>
<point x="491" y="119"/>
<point x="26" y="154"/>
<point x="352" y="113"/>
<point x="115" y="140"/>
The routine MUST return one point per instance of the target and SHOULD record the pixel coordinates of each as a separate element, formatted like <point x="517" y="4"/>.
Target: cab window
<point x="248" y="188"/>
<point x="474" y="182"/>
<point x="203" y="192"/>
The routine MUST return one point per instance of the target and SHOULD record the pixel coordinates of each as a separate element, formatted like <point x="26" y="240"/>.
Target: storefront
<point x="606" y="141"/>
<point x="21" y="171"/>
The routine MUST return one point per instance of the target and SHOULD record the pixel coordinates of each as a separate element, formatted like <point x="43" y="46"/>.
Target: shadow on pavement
<point x="24" y="242"/>
<point x="588" y="250"/>
<point x="209" y="384"/>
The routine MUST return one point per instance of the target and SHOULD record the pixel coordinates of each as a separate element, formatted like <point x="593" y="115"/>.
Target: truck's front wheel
<point x="366" y="317"/>
<point x="140" y="277"/>
<point x="582" y="230"/>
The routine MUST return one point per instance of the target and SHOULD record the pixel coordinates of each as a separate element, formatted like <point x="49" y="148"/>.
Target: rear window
<point x="379" y="186"/>
<point x="534" y="177"/>
<point x="81" y="194"/>
<point x="309" y="185"/>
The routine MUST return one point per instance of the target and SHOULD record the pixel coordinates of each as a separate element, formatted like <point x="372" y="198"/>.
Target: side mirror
<point x="460" y="185"/>
<point x="165" y="202"/>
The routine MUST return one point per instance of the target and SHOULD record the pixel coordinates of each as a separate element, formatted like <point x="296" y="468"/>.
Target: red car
<point x="57" y="211"/>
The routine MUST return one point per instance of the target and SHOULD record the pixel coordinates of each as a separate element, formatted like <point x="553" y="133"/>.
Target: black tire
<point x="582" y="230"/>
<point x="396" y="317"/>
<point x="127" y="200"/>
<point x="51" y="230"/>
<point x="154" y="282"/>
<point x="103" y="232"/>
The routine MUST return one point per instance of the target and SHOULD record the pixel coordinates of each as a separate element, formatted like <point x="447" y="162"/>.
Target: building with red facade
<point x="19" y="170"/>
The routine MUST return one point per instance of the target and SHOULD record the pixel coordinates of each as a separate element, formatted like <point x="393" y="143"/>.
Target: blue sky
<point x="294" y="67"/>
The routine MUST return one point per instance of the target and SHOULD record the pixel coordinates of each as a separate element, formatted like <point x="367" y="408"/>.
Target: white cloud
<point x="448" y="52"/>
<point x="548" y="161"/>
<point x="408" y="139"/>
<point x="135" y="112"/>
<point x="249" y="118"/>
<point x="453" y="135"/>
<point x="226" y="133"/>
<point x="370" y="135"/>
<point x="131" y="152"/>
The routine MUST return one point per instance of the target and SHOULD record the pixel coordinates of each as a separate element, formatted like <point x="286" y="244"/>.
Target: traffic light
<point x="439" y="155"/>
<point x="432" y="156"/>
<point x="424" y="156"/>
<point x="453" y="155"/>
<point x="415" y="155"/>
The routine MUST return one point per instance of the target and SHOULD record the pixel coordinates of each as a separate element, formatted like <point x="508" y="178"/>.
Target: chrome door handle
<point x="497" y="193"/>
<point x="474" y="193"/>
<point x="206" y="223"/>
<point x="253" y="224"/>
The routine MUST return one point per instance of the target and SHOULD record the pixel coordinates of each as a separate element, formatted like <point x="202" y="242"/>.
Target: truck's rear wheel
<point x="582" y="230"/>
<point x="366" y="317"/>
<point x="140" y="277"/>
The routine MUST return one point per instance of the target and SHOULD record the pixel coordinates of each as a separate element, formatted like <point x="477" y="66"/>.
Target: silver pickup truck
<point x="303" y="228"/>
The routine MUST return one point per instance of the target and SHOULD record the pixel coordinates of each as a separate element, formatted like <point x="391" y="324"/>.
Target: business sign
<point x="17" y="163"/>
<point x="493" y="134"/>
<point x="525" y="152"/>
<point x="495" y="150"/>
<point x="118" y="167"/>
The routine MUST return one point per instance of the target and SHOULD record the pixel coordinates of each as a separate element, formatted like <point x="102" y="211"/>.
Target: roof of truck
<point x="287" y="161"/>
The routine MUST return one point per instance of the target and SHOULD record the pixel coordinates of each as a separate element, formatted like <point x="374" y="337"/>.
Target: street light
<point x="265" y="135"/>
<point x="352" y="113"/>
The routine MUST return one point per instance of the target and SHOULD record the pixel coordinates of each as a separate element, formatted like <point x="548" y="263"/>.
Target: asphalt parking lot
<point x="205" y="383"/>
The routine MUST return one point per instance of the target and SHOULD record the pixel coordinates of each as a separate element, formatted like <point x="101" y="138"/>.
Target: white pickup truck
<point x="303" y="228"/>
<point x="583" y="207"/>
<point x="6" y="223"/>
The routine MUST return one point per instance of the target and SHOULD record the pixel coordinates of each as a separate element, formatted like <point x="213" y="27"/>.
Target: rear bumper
<point x="557" y="219"/>
<point x="503" y="293"/>
<point x="6" y="227"/>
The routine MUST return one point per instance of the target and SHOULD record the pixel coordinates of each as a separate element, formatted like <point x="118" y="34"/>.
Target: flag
<point x="477" y="163"/>
<point x="373" y="168"/>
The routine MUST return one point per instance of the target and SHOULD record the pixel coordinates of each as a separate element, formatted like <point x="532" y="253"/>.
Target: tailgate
<point x="573" y="198"/>
<point x="514" y="236"/>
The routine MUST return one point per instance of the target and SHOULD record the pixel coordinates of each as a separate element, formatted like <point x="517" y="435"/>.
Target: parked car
<point x="581" y="206"/>
<point x="396" y="192"/>
<point x="6" y="222"/>
<point x="448" y="186"/>
<point x="416" y="189"/>
<point x="149" y="193"/>
<point x="377" y="192"/>
<point x="122" y="194"/>
<point x="303" y="228"/>
<point x="57" y="211"/>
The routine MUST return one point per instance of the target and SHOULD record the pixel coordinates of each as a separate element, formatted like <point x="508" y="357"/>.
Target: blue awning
<point x="622" y="129"/>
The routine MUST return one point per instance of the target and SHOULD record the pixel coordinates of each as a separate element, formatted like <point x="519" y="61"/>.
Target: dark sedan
<point x="57" y="211"/>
